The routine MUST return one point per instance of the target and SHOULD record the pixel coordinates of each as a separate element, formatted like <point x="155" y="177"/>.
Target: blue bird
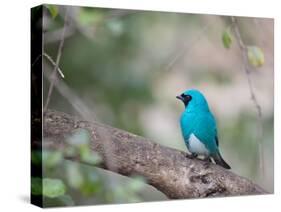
<point x="198" y="127"/>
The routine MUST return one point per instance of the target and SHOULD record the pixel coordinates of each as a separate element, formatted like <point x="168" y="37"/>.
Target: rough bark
<point x="167" y="169"/>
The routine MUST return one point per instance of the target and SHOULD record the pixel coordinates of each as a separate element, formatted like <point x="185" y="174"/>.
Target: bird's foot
<point x="207" y="162"/>
<point x="207" y="159"/>
<point x="191" y="156"/>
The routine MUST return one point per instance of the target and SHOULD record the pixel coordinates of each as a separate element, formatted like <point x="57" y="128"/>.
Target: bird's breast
<point x="197" y="146"/>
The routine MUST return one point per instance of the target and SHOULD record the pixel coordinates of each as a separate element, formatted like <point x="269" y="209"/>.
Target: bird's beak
<point x="179" y="97"/>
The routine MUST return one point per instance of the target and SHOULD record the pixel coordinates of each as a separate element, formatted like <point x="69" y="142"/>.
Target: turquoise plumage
<point x="199" y="128"/>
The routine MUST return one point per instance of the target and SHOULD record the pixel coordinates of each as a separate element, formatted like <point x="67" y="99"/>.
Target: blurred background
<point x="128" y="66"/>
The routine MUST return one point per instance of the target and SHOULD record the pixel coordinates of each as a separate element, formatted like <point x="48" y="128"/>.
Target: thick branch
<point x="168" y="170"/>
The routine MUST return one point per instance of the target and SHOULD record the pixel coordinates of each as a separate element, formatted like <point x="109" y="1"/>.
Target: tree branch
<point x="244" y="51"/>
<point x="168" y="170"/>
<point x="57" y="63"/>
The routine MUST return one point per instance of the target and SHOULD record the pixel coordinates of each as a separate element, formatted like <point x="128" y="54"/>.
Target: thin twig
<point x="88" y="31"/>
<point x="86" y="113"/>
<point x="51" y="61"/>
<point x="57" y="62"/>
<point x="244" y="50"/>
<point x="55" y="36"/>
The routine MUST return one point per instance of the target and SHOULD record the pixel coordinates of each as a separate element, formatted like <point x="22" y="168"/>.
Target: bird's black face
<point x="184" y="98"/>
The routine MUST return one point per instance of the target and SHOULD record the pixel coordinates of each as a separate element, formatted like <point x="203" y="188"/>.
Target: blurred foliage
<point x="213" y="76"/>
<point x="254" y="53"/>
<point x="52" y="9"/>
<point x="36" y="186"/>
<point x="113" y="61"/>
<point x="255" y="56"/>
<point x="227" y="38"/>
<point x="89" y="16"/>
<point x="63" y="181"/>
<point x="52" y="158"/>
<point x="53" y="188"/>
<point x="127" y="193"/>
<point x="242" y="146"/>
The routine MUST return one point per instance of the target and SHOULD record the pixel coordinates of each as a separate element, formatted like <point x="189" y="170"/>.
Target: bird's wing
<point x="205" y="129"/>
<point x="187" y="125"/>
<point x="217" y="140"/>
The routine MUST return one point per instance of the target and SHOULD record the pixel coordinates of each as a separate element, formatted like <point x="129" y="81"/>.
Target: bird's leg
<point x="207" y="159"/>
<point x="194" y="155"/>
<point x="191" y="156"/>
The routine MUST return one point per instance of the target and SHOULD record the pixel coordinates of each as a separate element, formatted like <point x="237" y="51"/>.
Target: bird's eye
<point x="186" y="97"/>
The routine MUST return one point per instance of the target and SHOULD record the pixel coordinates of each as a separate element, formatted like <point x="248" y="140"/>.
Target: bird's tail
<point x="220" y="161"/>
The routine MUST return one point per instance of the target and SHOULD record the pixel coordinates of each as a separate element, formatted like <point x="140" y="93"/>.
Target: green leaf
<point x="52" y="158"/>
<point x="89" y="156"/>
<point x="136" y="184"/>
<point x="92" y="183"/>
<point x="79" y="137"/>
<point x="53" y="9"/>
<point x="74" y="176"/>
<point x="227" y="38"/>
<point x="36" y="186"/>
<point x="53" y="187"/>
<point x="89" y="16"/>
<point x="89" y="188"/>
<point x="255" y="56"/>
